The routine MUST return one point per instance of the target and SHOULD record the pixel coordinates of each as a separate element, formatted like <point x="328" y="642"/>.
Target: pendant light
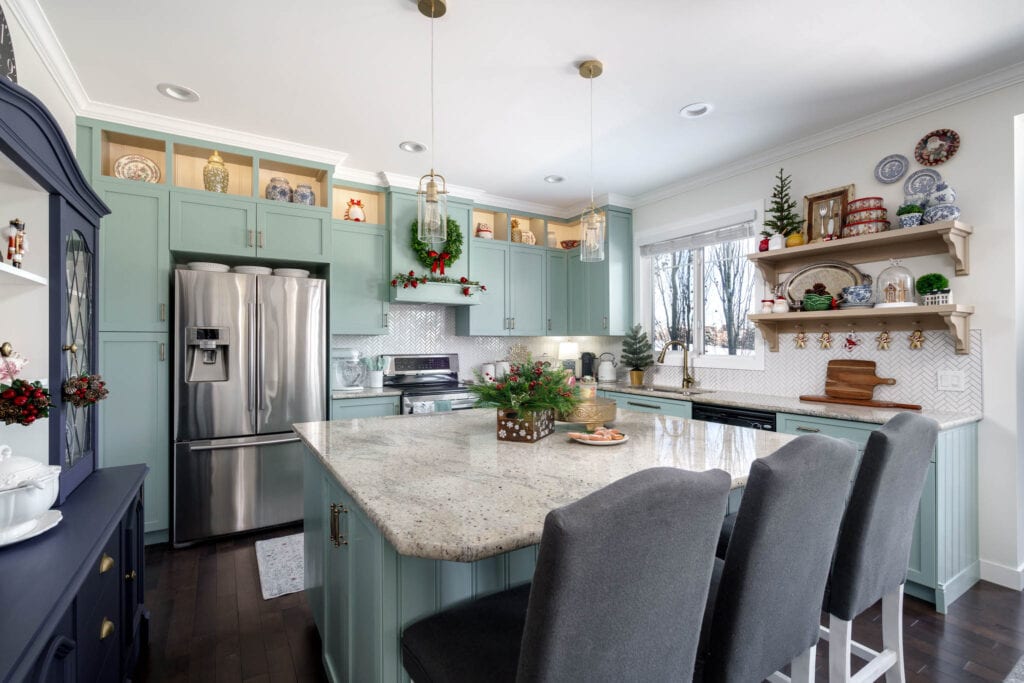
<point x="592" y="224"/>
<point x="432" y="190"/>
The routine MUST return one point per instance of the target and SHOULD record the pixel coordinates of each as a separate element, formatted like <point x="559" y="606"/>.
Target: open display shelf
<point x="532" y="225"/>
<point x="952" y="317"/>
<point x="190" y="160"/>
<point x="295" y="175"/>
<point x="562" y="231"/>
<point x="498" y="220"/>
<point x="373" y="204"/>
<point x="11" y="276"/>
<point x="950" y="237"/>
<point x="116" y="145"/>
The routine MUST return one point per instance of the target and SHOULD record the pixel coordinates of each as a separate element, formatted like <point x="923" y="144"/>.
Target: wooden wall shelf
<point x="952" y="237"/>
<point x="952" y="317"/>
<point x="10" y="276"/>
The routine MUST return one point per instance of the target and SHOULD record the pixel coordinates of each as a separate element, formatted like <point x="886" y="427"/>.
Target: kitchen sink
<point x="681" y="391"/>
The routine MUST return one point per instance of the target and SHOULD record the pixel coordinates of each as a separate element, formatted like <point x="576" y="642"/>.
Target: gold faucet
<point x="688" y="379"/>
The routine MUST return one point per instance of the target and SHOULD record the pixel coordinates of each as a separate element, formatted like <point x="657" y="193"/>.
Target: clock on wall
<point x="7" y="66"/>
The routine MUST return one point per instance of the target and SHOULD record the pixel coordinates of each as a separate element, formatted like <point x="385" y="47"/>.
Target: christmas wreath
<point x="84" y="390"/>
<point x="432" y="258"/>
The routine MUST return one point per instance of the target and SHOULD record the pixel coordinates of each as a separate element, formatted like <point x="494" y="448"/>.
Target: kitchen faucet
<point x="688" y="379"/>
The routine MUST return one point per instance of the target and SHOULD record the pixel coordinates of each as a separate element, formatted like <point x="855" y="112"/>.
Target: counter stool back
<point x="618" y="593"/>
<point x="874" y="545"/>
<point x="765" y="603"/>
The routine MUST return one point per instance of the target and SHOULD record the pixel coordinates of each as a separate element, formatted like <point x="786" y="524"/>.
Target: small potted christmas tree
<point x="636" y="353"/>
<point x="782" y="219"/>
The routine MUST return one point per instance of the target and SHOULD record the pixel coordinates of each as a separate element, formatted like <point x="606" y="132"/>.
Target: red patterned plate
<point x="937" y="147"/>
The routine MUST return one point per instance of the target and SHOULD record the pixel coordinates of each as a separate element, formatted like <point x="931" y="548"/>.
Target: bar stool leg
<point x="802" y="667"/>
<point x="892" y="633"/>
<point x="840" y="636"/>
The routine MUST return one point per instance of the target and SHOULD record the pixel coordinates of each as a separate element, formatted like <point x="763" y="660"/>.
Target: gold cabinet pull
<point x="106" y="563"/>
<point x="251" y="235"/>
<point x="163" y="312"/>
<point x="260" y="236"/>
<point x="130" y="576"/>
<point x="106" y="629"/>
<point x="72" y="347"/>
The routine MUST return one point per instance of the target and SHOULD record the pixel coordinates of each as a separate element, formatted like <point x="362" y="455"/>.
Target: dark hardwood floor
<point x="210" y="623"/>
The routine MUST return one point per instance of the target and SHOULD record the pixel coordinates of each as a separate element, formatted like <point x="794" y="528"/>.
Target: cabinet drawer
<point x="350" y="408"/>
<point x="100" y="585"/>
<point x="98" y="636"/>
<point x="650" y="404"/>
<point x="805" y="424"/>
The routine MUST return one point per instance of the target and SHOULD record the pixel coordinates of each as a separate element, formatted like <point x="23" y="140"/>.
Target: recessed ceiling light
<point x="412" y="146"/>
<point x="696" y="110"/>
<point x="553" y="178"/>
<point x="178" y="92"/>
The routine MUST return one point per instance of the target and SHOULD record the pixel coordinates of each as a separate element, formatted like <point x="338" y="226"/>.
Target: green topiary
<point x="636" y="349"/>
<point x="931" y="282"/>
<point x="909" y="208"/>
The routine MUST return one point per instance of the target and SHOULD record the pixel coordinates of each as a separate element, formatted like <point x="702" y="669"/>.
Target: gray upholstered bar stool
<point x="764" y="607"/>
<point x="874" y="546"/>
<point x="618" y="593"/>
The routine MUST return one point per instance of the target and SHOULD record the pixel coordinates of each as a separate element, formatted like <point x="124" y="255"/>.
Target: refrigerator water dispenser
<point x="207" y="354"/>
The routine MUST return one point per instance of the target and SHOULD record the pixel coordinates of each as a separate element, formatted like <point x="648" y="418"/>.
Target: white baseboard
<point x="1002" y="575"/>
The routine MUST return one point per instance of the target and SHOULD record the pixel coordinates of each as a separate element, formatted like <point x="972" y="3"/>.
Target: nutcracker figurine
<point x="16" y="242"/>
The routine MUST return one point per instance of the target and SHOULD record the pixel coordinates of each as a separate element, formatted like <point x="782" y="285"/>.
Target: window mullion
<point x="698" y="302"/>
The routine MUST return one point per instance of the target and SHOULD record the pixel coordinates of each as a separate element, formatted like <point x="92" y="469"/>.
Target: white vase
<point x="776" y="241"/>
<point x="376" y="378"/>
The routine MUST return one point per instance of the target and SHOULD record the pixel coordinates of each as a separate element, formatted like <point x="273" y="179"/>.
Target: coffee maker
<point x="587" y="364"/>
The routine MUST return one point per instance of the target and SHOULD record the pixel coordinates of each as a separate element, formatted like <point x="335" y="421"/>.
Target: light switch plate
<point x="950" y="380"/>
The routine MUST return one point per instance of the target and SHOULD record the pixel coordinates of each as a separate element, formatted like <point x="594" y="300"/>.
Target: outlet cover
<point x="950" y="380"/>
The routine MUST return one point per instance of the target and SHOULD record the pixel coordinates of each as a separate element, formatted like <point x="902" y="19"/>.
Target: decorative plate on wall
<point x="922" y="182"/>
<point x="937" y="147"/>
<point x="891" y="168"/>
<point x="833" y="274"/>
<point x="136" y="167"/>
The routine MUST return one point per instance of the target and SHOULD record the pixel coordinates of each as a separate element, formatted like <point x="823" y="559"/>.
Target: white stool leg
<point x="892" y="633"/>
<point x="840" y="635"/>
<point x="802" y="667"/>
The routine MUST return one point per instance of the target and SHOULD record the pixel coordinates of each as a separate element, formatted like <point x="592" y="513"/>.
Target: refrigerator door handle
<point x="261" y="403"/>
<point x="211" y="446"/>
<point x="252" y="358"/>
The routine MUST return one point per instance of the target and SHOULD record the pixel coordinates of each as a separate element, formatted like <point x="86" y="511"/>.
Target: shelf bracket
<point x="960" y="329"/>
<point x="959" y="245"/>
<point x="770" y="333"/>
<point x="768" y="272"/>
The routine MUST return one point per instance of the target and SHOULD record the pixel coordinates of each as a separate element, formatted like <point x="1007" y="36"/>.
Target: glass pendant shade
<point x="592" y="233"/>
<point x="432" y="210"/>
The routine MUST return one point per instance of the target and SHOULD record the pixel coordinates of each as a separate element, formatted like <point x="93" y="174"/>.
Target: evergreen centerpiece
<point x="527" y="398"/>
<point x="782" y="216"/>
<point x="636" y="353"/>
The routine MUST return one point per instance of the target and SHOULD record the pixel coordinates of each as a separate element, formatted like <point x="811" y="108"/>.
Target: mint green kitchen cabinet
<point x="134" y="418"/>
<point x="376" y="406"/>
<point x="213" y="224"/>
<point x="402" y="213"/>
<point x="294" y="233"/>
<point x="489" y="263"/>
<point x="944" y="560"/>
<point x="337" y="588"/>
<point x="360" y="278"/>
<point x="135" y="264"/>
<point x="601" y="293"/>
<point x="557" y="295"/>
<point x="314" y="538"/>
<point x="649" y="404"/>
<point x="527" y="291"/>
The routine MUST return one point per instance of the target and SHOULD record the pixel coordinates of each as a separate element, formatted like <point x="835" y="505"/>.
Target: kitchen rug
<point x="281" y="567"/>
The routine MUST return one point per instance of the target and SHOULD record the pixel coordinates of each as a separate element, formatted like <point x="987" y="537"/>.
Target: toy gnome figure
<point x="16" y="243"/>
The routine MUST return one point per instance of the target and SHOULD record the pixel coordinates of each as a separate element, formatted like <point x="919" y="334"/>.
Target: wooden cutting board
<point x="855" y="402"/>
<point x="853" y="379"/>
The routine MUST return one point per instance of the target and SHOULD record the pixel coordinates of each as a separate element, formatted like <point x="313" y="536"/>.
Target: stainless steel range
<point x="429" y="382"/>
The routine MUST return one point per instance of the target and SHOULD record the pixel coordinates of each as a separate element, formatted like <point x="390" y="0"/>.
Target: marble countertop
<point x="441" y="486"/>
<point x="364" y="393"/>
<point x="788" y="404"/>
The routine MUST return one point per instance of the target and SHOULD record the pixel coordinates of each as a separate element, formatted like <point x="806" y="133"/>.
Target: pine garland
<point x="783" y="219"/>
<point x="636" y="349"/>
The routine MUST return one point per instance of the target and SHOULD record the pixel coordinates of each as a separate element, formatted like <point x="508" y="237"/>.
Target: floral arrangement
<point x="411" y="279"/>
<point x="528" y="387"/>
<point x="23" y="402"/>
<point x="84" y="390"/>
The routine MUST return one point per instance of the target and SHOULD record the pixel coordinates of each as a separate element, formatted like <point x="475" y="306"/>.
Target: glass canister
<point x="894" y="287"/>
<point x="349" y="370"/>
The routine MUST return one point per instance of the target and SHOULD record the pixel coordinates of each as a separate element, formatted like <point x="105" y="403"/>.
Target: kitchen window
<point x="700" y="288"/>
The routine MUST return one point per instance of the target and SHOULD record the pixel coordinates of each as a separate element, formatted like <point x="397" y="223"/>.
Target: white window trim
<point x="645" y="303"/>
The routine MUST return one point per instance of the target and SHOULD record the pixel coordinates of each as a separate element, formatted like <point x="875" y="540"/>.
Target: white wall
<point x="982" y="172"/>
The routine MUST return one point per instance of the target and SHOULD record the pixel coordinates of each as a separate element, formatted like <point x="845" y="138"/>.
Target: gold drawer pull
<point x="130" y="576"/>
<point x="106" y="563"/>
<point x="106" y="629"/>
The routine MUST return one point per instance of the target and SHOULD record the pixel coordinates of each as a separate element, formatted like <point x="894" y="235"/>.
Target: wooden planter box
<point x="526" y="427"/>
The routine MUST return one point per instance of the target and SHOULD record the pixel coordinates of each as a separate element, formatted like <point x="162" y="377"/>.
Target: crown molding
<point x="356" y="175"/>
<point x="33" y="21"/>
<point x="413" y="182"/>
<point x="975" y="87"/>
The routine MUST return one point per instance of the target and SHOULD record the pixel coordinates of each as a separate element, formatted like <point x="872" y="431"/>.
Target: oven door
<point x="414" y="404"/>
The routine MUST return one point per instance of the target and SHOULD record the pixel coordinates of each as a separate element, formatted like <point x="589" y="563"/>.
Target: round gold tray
<point x="593" y="413"/>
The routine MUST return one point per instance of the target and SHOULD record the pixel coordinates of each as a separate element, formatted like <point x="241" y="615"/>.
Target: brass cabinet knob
<point x="106" y="629"/>
<point x="72" y="347"/>
<point x="106" y="563"/>
<point x="130" y="576"/>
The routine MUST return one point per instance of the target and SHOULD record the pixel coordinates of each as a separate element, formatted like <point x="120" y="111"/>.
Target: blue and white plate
<point x="922" y="182"/>
<point x="891" y="168"/>
<point x="941" y="212"/>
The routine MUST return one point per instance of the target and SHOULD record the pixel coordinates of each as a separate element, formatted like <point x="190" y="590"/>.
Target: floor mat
<point x="281" y="565"/>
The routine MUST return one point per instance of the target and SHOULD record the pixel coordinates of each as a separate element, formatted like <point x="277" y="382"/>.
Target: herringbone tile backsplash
<point x="419" y="328"/>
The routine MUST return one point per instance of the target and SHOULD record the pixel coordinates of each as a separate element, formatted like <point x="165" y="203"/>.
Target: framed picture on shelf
<point x="825" y="213"/>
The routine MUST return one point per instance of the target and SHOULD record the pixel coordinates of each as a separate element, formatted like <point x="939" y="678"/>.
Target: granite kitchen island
<point x="407" y="515"/>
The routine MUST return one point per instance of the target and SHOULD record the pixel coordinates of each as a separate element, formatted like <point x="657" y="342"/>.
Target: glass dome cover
<point x="894" y="287"/>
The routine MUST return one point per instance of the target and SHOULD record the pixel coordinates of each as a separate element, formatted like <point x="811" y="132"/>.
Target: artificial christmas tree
<point x="636" y="353"/>
<point x="782" y="218"/>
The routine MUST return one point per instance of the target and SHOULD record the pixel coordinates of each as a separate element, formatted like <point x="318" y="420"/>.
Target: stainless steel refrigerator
<point x="249" y="361"/>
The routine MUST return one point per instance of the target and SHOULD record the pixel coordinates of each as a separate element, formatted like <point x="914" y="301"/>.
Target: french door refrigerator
<point x="249" y="361"/>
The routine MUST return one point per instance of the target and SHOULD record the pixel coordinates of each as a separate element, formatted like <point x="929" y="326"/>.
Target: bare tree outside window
<point x="673" y="296"/>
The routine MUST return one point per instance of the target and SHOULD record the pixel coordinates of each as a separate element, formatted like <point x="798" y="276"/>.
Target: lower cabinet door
<point x="337" y="575"/>
<point x="134" y="418"/>
<point x="289" y="232"/>
<point x="58" y="661"/>
<point x="923" y="550"/>
<point x="314" y="538"/>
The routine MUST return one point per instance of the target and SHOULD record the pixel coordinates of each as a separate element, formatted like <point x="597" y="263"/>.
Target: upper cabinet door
<point x="213" y="225"/>
<point x="526" y="282"/>
<point x="488" y="264"/>
<point x="557" y="291"/>
<point x="359" y="280"/>
<point x="293" y="233"/>
<point x="134" y="261"/>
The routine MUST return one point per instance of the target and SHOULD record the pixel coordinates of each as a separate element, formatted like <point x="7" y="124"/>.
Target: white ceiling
<point x="351" y="75"/>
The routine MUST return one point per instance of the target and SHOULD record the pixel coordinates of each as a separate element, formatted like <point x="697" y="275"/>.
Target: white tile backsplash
<point x="427" y="328"/>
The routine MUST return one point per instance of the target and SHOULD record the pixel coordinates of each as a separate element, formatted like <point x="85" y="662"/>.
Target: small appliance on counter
<point x="348" y="369"/>
<point x="587" y="364"/>
<point x="606" y="368"/>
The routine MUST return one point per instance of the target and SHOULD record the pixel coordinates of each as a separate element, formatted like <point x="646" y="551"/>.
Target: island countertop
<point x="441" y="486"/>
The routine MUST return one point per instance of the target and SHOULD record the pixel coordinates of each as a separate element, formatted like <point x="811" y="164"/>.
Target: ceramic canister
<point x="487" y="370"/>
<point x="279" y="189"/>
<point x="304" y="194"/>
<point x="215" y="174"/>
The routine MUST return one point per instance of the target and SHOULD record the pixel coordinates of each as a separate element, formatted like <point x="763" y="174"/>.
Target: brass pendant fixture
<point x="592" y="225"/>
<point x="432" y="190"/>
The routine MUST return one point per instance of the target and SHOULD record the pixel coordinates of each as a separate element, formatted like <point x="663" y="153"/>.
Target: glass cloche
<point x="894" y="287"/>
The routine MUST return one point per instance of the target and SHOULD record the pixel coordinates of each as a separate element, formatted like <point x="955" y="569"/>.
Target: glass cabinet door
<point x="78" y="422"/>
